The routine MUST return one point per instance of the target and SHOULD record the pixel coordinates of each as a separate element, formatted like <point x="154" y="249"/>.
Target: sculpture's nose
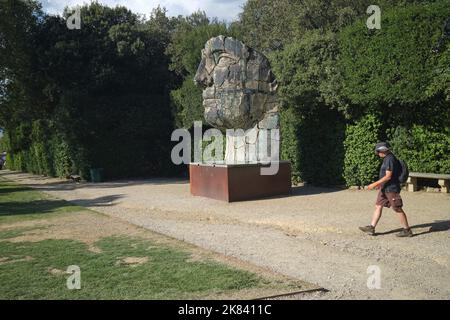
<point x="199" y="80"/>
<point x="202" y="78"/>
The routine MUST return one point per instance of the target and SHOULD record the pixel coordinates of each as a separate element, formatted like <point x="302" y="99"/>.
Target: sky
<point x="223" y="9"/>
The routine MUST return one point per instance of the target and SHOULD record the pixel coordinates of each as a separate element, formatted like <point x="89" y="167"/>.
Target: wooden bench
<point x="443" y="180"/>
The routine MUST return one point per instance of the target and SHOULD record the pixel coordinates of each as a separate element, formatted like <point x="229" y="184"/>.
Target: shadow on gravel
<point x="65" y="185"/>
<point x="106" y="201"/>
<point x="310" y="190"/>
<point x="437" y="226"/>
<point x="297" y="191"/>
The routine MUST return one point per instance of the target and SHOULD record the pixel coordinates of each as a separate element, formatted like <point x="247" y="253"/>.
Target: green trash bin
<point x="96" y="175"/>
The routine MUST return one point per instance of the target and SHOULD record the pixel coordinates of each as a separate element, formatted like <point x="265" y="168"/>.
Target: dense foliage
<point x="88" y="98"/>
<point x="108" y="95"/>
<point x="426" y="150"/>
<point x="377" y="80"/>
<point x="394" y="68"/>
<point x="394" y="73"/>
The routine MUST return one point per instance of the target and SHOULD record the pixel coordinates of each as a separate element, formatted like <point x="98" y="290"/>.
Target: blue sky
<point x="223" y="9"/>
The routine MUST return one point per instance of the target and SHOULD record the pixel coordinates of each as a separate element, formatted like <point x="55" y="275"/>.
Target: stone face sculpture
<point x="239" y="92"/>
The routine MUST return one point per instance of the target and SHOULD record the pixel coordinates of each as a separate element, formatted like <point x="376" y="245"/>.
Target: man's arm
<point x="376" y="184"/>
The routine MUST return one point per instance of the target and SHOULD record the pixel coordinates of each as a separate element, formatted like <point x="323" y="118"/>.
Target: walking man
<point x="389" y="194"/>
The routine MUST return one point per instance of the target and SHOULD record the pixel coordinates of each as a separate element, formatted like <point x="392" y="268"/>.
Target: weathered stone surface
<point x="220" y="73"/>
<point x="235" y="73"/>
<point x="216" y="44"/>
<point x="253" y="72"/>
<point x="236" y="47"/>
<point x="239" y="92"/>
<point x="209" y="93"/>
<point x="270" y="121"/>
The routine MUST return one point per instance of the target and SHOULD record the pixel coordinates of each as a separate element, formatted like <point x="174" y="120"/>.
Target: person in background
<point x="2" y="159"/>
<point x="389" y="194"/>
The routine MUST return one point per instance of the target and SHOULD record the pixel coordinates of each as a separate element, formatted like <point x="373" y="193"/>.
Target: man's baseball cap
<point x="382" y="147"/>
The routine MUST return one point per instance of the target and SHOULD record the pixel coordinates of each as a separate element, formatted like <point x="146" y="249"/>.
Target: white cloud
<point x="222" y="9"/>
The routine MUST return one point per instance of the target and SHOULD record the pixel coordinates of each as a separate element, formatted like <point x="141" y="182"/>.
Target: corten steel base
<point x="237" y="182"/>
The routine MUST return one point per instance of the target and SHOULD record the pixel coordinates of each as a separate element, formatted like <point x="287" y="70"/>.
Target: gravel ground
<point x="311" y="235"/>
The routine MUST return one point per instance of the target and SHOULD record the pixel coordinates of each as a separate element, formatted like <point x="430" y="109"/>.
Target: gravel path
<point x="311" y="235"/>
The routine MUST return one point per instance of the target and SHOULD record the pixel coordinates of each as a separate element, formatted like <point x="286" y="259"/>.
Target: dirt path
<point x="311" y="235"/>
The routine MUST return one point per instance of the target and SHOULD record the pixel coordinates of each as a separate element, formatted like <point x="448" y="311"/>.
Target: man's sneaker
<point x="405" y="233"/>
<point x="368" y="229"/>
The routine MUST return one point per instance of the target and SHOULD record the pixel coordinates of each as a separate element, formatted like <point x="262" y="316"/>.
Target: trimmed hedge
<point x="290" y="146"/>
<point x="394" y="68"/>
<point x="361" y="164"/>
<point x="424" y="149"/>
<point x="313" y="142"/>
<point x="46" y="153"/>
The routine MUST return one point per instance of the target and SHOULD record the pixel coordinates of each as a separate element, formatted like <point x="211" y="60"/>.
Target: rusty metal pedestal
<point x="238" y="182"/>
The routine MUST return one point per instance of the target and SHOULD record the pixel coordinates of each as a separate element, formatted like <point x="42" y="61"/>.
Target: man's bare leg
<point x="406" y="232"/>
<point x="403" y="219"/>
<point x="376" y="215"/>
<point x="375" y="218"/>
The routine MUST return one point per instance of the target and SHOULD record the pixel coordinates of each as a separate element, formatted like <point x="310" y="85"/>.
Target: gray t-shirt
<point x="390" y="163"/>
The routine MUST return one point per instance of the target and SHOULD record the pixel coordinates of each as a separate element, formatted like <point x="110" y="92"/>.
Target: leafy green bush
<point x="361" y="164"/>
<point x="16" y="161"/>
<point x="13" y="159"/>
<point x="62" y="161"/>
<point x="41" y="158"/>
<point x="424" y="149"/>
<point x="48" y="154"/>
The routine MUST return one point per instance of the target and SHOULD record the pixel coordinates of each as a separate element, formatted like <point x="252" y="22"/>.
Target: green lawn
<point x="37" y="269"/>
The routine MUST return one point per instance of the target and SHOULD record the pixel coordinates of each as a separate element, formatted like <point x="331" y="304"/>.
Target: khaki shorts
<point x="390" y="200"/>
